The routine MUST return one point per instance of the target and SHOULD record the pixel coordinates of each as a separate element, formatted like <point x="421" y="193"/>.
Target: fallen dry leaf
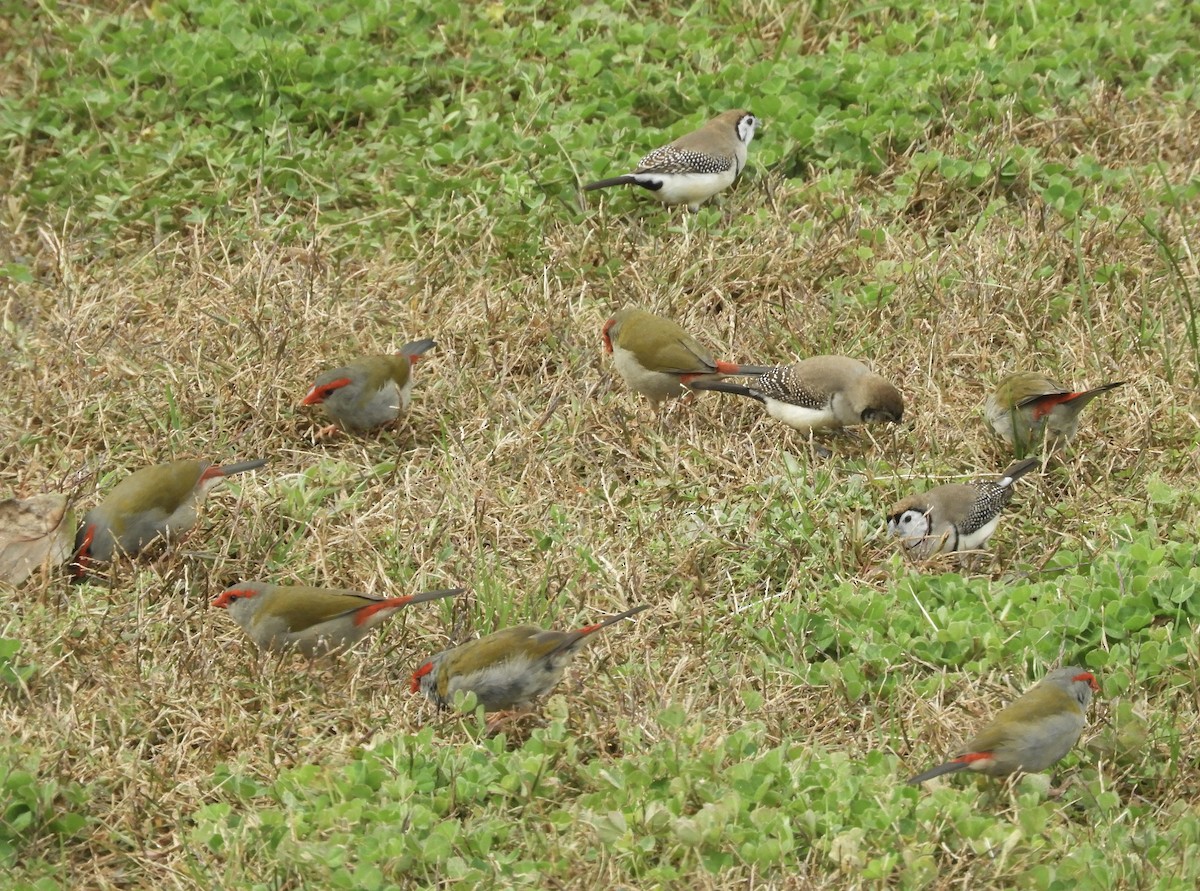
<point x="32" y="531"/>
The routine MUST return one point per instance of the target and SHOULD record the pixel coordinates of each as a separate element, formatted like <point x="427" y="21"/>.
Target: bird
<point x="507" y="669"/>
<point x="370" y="392"/>
<point x="657" y="358"/>
<point x="1028" y="406"/>
<point x="822" y="391"/>
<point x="1029" y="734"/>
<point x="155" y="502"/>
<point x="695" y="166"/>
<point x="956" y="516"/>
<point x="312" y="621"/>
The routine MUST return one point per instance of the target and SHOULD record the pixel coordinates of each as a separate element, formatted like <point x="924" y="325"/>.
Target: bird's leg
<point x="818" y="450"/>
<point x="327" y="432"/>
<point x="505" y="719"/>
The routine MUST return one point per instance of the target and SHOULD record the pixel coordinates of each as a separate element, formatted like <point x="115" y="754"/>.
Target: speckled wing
<point x="989" y="499"/>
<point x="675" y="158"/>
<point x="784" y="384"/>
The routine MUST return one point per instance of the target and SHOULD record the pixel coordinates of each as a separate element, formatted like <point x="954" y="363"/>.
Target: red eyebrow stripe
<point x="84" y="558"/>
<point x="319" y="392"/>
<point x="1090" y="678"/>
<point x="418" y="674"/>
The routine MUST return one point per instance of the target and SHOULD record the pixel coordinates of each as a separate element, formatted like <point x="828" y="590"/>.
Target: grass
<point x="949" y="192"/>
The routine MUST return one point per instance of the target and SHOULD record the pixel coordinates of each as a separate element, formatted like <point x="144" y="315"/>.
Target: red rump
<point x="366" y="612"/>
<point x="1046" y="404"/>
<point x="212" y="471"/>
<point x="972" y="757"/>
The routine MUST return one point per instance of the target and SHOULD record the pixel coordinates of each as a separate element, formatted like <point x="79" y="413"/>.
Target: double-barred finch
<point x="1027" y="406"/>
<point x="954" y="517"/>
<point x="508" y="669"/>
<point x="658" y="359"/>
<point x="155" y="502"/>
<point x="696" y="166"/>
<point x="370" y="392"/>
<point x="311" y="621"/>
<point x="822" y="391"/>
<point x="1031" y="733"/>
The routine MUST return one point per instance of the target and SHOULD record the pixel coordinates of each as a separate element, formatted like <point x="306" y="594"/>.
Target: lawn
<point x="206" y="204"/>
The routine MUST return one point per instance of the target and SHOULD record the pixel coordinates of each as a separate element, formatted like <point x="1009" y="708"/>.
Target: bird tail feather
<point x="948" y="767"/>
<point x="417" y="347"/>
<point x="1018" y="470"/>
<point x="591" y="629"/>
<point x="242" y="466"/>
<point x="623" y="180"/>
<point x="724" y="387"/>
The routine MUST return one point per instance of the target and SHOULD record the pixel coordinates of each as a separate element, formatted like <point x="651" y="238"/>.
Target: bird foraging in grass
<point x="508" y="669"/>
<point x="312" y="621"/>
<point x="694" y="167"/>
<point x="1028" y="407"/>
<point x="819" y="392"/>
<point x="956" y="516"/>
<point x="158" y="502"/>
<point x="658" y="359"/>
<point x="1030" y="734"/>
<point x="371" y="392"/>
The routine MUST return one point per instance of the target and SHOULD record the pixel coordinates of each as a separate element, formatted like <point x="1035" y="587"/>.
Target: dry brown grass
<point x="527" y="472"/>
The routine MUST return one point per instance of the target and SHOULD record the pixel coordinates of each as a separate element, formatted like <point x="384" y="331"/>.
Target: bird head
<point x="909" y="519"/>
<point x="83" y="551"/>
<point x="1079" y="683"/>
<point x="424" y="679"/>
<point x="330" y="384"/>
<point x="242" y="599"/>
<point x="608" y="333"/>
<point x="747" y="123"/>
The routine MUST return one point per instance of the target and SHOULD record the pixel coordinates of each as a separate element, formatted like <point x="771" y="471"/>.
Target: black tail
<point x="623" y="180"/>
<point x="723" y="387"/>
<point x="1018" y="470"/>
